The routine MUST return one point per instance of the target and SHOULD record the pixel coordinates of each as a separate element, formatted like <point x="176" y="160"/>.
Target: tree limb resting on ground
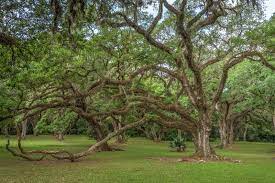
<point x="66" y="155"/>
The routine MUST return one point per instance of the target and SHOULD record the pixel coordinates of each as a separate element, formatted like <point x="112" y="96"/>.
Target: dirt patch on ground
<point x="165" y="159"/>
<point x="193" y="160"/>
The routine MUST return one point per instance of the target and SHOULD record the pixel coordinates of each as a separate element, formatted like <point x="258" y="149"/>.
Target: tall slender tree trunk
<point x="231" y="133"/>
<point x="224" y="125"/>
<point x="245" y="132"/>
<point x="154" y="133"/>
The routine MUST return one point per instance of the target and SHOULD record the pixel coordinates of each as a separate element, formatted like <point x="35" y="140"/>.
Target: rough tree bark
<point x="229" y="122"/>
<point x="100" y="133"/>
<point x="225" y="124"/>
<point x="186" y="29"/>
<point x="201" y="140"/>
<point x="223" y="133"/>
<point x="117" y="125"/>
<point x="24" y="126"/>
<point x="231" y="135"/>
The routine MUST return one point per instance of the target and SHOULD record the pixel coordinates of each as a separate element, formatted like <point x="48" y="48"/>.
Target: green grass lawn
<point x="140" y="162"/>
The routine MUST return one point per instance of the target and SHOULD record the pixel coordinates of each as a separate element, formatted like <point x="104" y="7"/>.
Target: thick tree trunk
<point x="223" y="134"/>
<point x="121" y="137"/>
<point x="226" y="133"/>
<point x="202" y="142"/>
<point x="231" y="133"/>
<point x="225" y="125"/>
<point x="24" y="126"/>
<point x="100" y="134"/>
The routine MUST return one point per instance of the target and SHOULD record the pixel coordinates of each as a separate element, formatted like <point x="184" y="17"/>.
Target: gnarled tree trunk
<point x="201" y="139"/>
<point x="117" y="126"/>
<point x="99" y="133"/>
<point x="202" y="144"/>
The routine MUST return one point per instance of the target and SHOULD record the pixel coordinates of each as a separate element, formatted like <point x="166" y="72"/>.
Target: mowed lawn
<point x="142" y="161"/>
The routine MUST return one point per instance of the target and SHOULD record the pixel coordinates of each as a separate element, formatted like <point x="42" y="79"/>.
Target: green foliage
<point x="55" y="121"/>
<point x="178" y="143"/>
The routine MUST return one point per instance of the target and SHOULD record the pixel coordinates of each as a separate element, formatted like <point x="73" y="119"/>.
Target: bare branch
<point x="170" y="7"/>
<point x="157" y="18"/>
<point x="146" y="35"/>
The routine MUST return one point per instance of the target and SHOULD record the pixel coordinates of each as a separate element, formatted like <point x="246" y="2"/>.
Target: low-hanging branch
<point x="66" y="155"/>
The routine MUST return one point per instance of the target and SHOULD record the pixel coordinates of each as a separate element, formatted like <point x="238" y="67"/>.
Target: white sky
<point x="270" y="8"/>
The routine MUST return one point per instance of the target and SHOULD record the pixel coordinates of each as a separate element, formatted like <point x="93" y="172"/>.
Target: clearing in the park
<point x="141" y="161"/>
<point x="145" y="91"/>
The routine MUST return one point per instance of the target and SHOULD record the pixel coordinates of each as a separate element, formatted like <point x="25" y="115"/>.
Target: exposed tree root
<point x="200" y="159"/>
<point x="191" y="159"/>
